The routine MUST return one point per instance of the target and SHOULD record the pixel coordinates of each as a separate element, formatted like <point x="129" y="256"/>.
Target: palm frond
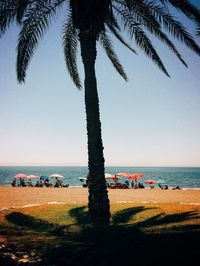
<point x="70" y="41"/>
<point x="135" y="31"/>
<point x="175" y="28"/>
<point x="145" y="44"/>
<point x="34" y="26"/>
<point x="21" y="8"/>
<point x="157" y="31"/>
<point x="107" y="45"/>
<point x="164" y="38"/>
<point x="198" y="30"/>
<point x="162" y="16"/>
<point x="186" y="7"/>
<point x="7" y="14"/>
<point x="114" y="28"/>
<point x="12" y="10"/>
<point x="143" y="19"/>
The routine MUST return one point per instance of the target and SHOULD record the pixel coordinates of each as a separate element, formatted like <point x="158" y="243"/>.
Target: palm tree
<point x="87" y="22"/>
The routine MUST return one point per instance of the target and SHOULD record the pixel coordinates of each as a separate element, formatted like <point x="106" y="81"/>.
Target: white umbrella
<point x="108" y="175"/>
<point x="82" y="179"/>
<point x="56" y="176"/>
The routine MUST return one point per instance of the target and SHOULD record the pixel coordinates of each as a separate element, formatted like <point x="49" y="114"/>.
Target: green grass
<point x="138" y="234"/>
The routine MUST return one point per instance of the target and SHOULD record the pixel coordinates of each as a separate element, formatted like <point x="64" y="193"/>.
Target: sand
<point x="15" y="197"/>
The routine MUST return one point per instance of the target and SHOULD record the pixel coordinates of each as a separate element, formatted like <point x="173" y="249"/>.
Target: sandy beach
<point x="21" y="197"/>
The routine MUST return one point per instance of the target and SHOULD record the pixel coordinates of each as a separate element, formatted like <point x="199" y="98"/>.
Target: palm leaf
<point x="33" y="28"/>
<point x="116" y="33"/>
<point x="186" y="7"/>
<point x="152" y="25"/>
<point x="70" y="40"/>
<point x="7" y="14"/>
<point x="107" y="45"/>
<point x="12" y="10"/>
<point x="135" y="31"/>
<point x="175" y="28"/>
<point x="164" y="38"/>
<point x="21" y="8"/>
<point x="145" y="44"/>
<point x="198" y="30"/>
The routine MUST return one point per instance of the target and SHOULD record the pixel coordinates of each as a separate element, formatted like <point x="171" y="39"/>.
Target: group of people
<point x="40" y="183"/>
<point x="125" y="184"/>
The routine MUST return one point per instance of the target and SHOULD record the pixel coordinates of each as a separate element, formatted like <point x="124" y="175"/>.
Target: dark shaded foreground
<point x="38" y="242"/>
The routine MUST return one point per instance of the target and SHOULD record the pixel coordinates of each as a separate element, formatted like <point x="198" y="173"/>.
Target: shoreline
<point x="80" y="186"/>
<point x="18" y="197"/>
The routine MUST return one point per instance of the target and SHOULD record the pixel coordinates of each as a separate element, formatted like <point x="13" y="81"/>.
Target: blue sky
<point x="151" y="120"/>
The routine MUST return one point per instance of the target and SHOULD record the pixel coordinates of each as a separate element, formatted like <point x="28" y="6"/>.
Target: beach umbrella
<point x="56" y="176"/>
<point x="150" y="182"/>
<point x="135" y="176"/>
<point x="44" y="177"/>
<point x="21" y="176"/>
<point x="124" y="174"/>
<point x="109" y="176"/>
<point x="32" y="176"/>
<point x="82" y="179"/>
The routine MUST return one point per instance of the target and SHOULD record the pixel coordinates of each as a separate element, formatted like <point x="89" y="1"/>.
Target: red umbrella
<point x="21" y="176"/>
<point x="135" y="176"/>
<point x="150" y="182"/>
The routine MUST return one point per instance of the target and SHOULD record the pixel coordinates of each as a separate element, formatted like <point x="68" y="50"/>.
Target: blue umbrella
<point x="44" y="177"/>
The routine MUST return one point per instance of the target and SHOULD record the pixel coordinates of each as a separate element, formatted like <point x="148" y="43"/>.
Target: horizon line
<point x="73" y="165"/>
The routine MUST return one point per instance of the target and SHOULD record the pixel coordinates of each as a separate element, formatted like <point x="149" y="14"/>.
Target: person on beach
<point x="14" y="183"/>
<point x="58" y="183"/>
<point x="47" y="183"/>
<point x="37" y="184"/>
<point x="22" y="183"/>
<point x="29" y="183"/>
<point x="140" y="185"/>
<point x="127" y="183"/>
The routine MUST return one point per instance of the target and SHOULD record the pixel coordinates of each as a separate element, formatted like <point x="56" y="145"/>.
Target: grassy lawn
<point x="138" y="234"/>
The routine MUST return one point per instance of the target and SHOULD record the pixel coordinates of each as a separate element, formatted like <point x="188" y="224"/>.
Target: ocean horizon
<point x="185" y="177"/>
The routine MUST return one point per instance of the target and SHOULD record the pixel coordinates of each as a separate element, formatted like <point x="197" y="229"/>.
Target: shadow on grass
<point x="120" y="243"/>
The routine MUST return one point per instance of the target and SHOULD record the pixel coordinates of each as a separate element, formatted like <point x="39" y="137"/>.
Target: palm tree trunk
<point x="98" y="203"/>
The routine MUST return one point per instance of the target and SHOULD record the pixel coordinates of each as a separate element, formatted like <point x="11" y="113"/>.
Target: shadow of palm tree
<point x="163" y="219"/>
<point x="117" y="243"/>
<point x="125" y="215"/>
<point x="80" y="215"/>
<point x="27" y="222"/>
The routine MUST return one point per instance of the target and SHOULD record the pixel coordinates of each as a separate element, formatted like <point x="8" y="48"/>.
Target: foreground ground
<point x="19" y="196"/>
<point x="147" y="227"/>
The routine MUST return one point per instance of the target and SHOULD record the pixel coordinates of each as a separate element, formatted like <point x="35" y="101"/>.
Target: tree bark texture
<point x="98" y="204"/>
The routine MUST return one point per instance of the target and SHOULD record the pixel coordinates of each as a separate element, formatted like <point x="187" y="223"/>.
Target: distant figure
<point x="140" y="185"/>
<point x="177" y="187"/>
<point x="37" y="184"/>
<point x="29" y="183"/>
<point x="13" y="184"/>
<point x="22" y="183"/>
<point x="58" y="183"/>
<point x="132" y="183"/>
<point x="160" y="186"/>
<point x="127" y="183"/>
<point x="47" y="183"/>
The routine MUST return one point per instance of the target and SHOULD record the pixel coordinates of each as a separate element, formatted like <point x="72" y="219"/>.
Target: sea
<point x="184" y="177"/>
